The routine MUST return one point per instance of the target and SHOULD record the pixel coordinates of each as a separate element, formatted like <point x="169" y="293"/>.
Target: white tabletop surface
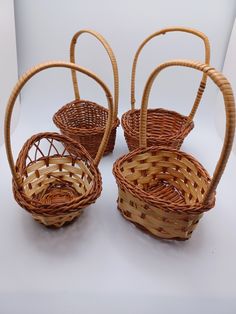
<point x="102" y="263"/>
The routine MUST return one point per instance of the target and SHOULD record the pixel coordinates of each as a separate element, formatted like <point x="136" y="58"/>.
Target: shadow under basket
<point x="85" y="122"/>
<point x="164" y="128"/>
<point x="56" y="184"/>
<point x="161" y="191"/>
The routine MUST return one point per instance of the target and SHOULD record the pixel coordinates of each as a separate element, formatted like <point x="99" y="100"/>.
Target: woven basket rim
<point x="77" y="202"/>
<point x="74" y="205"/>
<point x="132" y="132"/>
<point x="153" y="200"/>
<point x="79" y="130"/>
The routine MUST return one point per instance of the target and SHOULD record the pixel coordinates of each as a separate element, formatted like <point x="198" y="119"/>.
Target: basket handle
<point x="225" y="87"/>
<point x="204" y="77"/>
<point x="17" y="89"/>
<point x="113" y="63"/>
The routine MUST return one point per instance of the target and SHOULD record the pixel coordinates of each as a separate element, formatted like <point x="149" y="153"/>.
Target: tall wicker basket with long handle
<point x="166" y="191"/>
<point x="165" y="127"/>
<point x="83" y="120"/>
<point x="53" y="183"/>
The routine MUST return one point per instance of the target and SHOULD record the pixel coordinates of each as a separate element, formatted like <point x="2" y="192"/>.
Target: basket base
<point x="57" y="194"/>
<point x="163" y="189"/>
<point x="146" y="231"/>
<point x="155" y="220"/>
<point x="55" y="222"/>
<point x="159" y="237"/>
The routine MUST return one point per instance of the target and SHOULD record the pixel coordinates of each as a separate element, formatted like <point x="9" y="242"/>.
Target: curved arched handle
<point x="113" y="63"/>
<point x="227" y="92"/>
<point x="163" y="32"/>
<point x="17" y="89"/>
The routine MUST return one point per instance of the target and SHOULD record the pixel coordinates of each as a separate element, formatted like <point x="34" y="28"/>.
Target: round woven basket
<point x="83" y="120"/>
<point x="166" y="191"/>
<point x="50" y="181"/>
<point x="164" y="127"/>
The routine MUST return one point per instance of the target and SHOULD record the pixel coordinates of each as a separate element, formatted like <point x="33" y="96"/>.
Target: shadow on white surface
<point x="58" y="242"/>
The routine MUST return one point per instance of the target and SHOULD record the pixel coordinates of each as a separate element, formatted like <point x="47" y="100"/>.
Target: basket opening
<point x="57" y="193"/>
<point x="81" y="115"/>
<point x="161" y="123"/>
<point x="51" y="175"/>
<point x="168" y="175"/>
<point x="162" y="188"/>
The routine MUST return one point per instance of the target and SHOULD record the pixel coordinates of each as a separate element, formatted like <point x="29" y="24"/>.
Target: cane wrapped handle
<point x="113" y="63"/>
<point x="204" y="77"/>
<point x="21" y="83"/>
<point x="225" y="87"/>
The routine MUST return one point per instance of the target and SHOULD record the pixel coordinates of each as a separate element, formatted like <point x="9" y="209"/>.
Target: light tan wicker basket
<point x="165" y="127"/>
<point x="49" y="181"/>
<point x="166" y="191"/>
<point x="83" y="120"/>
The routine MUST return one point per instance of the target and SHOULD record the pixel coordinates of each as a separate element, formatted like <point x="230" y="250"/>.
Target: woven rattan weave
<point x="164" y="127"/>
<point x="166" y="191"/>
<point x="50" y="181"/>
<point x="83" y="120"/>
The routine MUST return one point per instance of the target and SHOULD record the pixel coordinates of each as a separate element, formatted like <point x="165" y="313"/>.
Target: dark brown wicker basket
<point x="166" y="191"/>
<point x="164" y="127"/>
<point x="51" y="182"/>
<point x="84" y="120"/>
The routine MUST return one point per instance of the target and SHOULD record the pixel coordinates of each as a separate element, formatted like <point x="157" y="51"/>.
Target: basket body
<point x="161" y="190"/>
<point x="164" y="128"/>
<point x="56" y="184"/>
<point x="85" y="122"/>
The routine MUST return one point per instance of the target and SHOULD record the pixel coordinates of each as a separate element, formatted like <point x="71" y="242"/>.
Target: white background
<point x="44" y="30"/>
<point x="229" y="70"/>
<point x="8" y="61"/>
<point x="101" y="263"/>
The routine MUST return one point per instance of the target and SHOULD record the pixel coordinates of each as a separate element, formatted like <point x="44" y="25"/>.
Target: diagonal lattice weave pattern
<point x="56" y="184"/>
<point x="54" y="177"/>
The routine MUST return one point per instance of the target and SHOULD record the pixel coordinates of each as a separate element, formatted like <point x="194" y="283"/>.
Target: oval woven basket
<point x="166" y="191"/>
<point x="84" y="120"/>
<point x="50" y="181"/>
<point x="164" y="127"/>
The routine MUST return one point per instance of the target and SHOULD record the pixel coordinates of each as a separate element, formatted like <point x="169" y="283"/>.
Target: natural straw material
<point x="83" y="120"/>
<point x="51" y="182"/>
<point x="164" y="127"/>
<point x="166" y="191"/>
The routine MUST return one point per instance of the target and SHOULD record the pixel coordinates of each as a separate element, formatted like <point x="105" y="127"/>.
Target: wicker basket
<point x="166" y="191"/>
<point x="83" y="120"/>
<point x="49" y="181"/>
<point x="164" y="127"/>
